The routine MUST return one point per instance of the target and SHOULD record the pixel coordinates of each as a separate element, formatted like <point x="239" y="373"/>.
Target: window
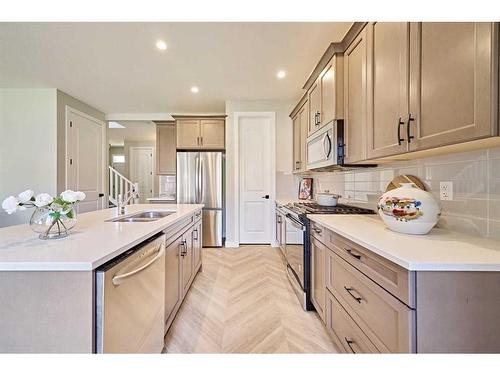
<point x="118" y="159"/>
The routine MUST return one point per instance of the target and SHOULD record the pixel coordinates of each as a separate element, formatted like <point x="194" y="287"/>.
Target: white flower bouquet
<point x="53" y="216"/>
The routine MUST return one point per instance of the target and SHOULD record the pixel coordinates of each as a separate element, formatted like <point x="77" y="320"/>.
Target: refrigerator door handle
<point x="201" y="182"/>
<point x="197" y="179"/>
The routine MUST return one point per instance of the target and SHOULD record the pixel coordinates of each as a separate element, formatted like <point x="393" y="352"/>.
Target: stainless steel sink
<point x="142" y="217"/>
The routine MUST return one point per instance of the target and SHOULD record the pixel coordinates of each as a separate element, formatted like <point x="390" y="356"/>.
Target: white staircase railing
<point x="119" y="184"/>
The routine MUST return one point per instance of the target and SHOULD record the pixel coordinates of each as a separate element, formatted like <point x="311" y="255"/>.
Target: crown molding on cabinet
<point x="332" y="49"/>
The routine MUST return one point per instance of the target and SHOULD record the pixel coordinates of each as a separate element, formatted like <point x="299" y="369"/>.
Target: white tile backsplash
<point x="476" y="187"/>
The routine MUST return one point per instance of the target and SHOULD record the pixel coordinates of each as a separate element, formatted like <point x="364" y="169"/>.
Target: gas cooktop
<point x="339" y="209"/>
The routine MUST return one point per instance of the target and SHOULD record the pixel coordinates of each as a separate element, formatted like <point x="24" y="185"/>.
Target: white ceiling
<point x="116" y="67"/>
<point x="133" y="131"/>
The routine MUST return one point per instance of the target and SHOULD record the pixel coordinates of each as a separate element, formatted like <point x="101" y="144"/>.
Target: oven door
<point x="294" y="236"/>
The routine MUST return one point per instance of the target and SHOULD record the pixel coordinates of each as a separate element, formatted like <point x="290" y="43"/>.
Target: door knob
<point x="266" y="196"/>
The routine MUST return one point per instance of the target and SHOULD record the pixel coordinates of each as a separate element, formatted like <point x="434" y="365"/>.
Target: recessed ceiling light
<point x="161" y="45"/>
<point x="195" y="89"/>
<point x="281" y="74"/>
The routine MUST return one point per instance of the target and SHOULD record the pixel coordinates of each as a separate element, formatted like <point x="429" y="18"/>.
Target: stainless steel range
<point x="292" y="232"/>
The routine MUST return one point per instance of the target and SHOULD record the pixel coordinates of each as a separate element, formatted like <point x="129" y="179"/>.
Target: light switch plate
<point x="446" y="190"/>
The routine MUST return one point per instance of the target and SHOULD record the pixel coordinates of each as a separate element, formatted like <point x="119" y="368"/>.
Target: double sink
<point x="142" y="217"/>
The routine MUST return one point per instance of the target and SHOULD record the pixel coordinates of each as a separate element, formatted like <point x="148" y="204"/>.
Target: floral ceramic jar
<point x="409" y="209"/>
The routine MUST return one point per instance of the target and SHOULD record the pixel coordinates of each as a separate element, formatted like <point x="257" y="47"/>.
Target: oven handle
<point x="295" y="223"/>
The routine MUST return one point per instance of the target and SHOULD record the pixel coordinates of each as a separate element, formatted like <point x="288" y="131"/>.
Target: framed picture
<point x="305" y="188"/>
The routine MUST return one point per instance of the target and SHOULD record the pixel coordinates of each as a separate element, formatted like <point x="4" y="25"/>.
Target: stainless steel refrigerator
<point x="200" y="180"/>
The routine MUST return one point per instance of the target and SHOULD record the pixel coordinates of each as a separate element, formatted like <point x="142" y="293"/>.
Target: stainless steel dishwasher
<point x="130" y="300"/>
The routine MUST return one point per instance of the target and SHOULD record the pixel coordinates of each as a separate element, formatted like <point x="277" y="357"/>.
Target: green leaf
<point x="70" y="214"/>
<point x="55" y="215"/>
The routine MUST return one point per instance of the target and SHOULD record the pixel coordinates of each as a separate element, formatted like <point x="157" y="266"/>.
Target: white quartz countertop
<point x="440" y="250"/>
<point x="91" y="243"/>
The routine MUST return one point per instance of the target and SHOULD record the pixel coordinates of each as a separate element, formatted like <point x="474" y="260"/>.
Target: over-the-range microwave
<point x="325" y="148"/>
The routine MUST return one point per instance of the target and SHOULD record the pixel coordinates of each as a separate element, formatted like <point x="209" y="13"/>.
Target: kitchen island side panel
<point x="46" y="312"/>
<point x="458" y="312"/>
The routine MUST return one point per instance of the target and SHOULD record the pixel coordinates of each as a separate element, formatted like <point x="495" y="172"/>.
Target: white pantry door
<point x="85" y="158"/>
<point x="141" y="171"/>
<point x="255" y="174"/>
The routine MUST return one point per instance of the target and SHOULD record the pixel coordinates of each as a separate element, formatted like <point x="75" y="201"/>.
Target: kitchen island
<point x="47" y="297"/>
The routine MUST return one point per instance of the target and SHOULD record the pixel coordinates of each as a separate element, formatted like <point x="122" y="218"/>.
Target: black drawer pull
<point x="349" y="344"/>
<point x="317" y="230"/>
<point x="350" y="290"/>
<point x="354" y="255"/>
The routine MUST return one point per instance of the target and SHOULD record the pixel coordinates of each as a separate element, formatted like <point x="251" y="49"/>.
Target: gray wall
<point x="28" y="144"/>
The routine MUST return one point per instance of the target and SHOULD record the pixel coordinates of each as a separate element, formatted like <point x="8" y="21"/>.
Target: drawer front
<point x="317" y="231"/>
<point x="390" y="276"/>
<point x="179" y="227"/>
<point x="344" y="330"/>
<point x="385" y="320"/>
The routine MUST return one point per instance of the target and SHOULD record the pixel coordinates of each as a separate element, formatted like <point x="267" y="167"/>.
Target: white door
<point x="256" y="165"/>
<point x="141" y="171"/>
<point x="84" y="159"/>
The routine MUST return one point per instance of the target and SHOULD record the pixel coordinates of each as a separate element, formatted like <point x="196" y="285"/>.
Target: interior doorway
<point x="141" y="171"/>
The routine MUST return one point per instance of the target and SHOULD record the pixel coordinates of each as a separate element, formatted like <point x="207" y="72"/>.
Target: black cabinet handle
<point x="408" y="133"/>
<point x="400" y="140"/>
<point x="350" y="290"/>
<point x="354" y="255"/>
<point x="349" y="344"/>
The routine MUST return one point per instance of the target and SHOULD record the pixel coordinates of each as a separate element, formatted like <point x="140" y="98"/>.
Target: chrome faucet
<point x="121" y="204"/>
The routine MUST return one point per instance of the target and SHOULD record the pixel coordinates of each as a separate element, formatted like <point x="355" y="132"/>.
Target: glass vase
<point x="51" y="223"/>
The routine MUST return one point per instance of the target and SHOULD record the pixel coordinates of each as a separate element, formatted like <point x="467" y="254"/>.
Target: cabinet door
<point x="450" y="79"/>
<point x="196" y="237"/>
<point x="173" y="290"/>
<point x="187" y="260"/>
<point x="188" y="134"/>
<point x="314" y="100"/>
<point x="355" y="97"/>
<point x="331" y="80"/>
<point x="318" y="282"/>
<point x="388" y="64"/>
<point x="304" y="125"/>
<point x="165" y="149"/>
<point x="296" y="142"/>
<point x="212" y="134"/>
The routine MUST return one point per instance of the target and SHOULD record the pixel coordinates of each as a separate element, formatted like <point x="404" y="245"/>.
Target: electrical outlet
<point x="446" y="190"/>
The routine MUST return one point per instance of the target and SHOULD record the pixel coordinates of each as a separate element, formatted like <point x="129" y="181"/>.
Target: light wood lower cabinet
<point x="318" y="288"/>
<point x="347" y="334"/>
<point x="183" y="260"/>
<point x="373" y="305"/>
<point x="173" y="293"/>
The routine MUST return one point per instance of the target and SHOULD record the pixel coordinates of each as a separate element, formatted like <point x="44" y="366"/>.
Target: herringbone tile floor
<point x="242" y="302"/>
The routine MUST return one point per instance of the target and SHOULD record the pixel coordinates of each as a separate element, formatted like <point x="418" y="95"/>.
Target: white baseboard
<point x="231" y="244"/>
<point x="275" y="244"/>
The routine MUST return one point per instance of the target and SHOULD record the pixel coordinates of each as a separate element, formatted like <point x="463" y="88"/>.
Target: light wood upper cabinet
<point x="332" y="90"/>
<point x="212" y="133"/>
<point x="196" y="133"/>
<point x="451" y="75"/>
<point x="188" y="133"/>
<point x="165" y="148"/>
<point x="325" y="96"/>
<point x="314" y="100"/>
<point x="300" y="123"/>
<point x="355" y="99"/>
<point x="387" y="109"/>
